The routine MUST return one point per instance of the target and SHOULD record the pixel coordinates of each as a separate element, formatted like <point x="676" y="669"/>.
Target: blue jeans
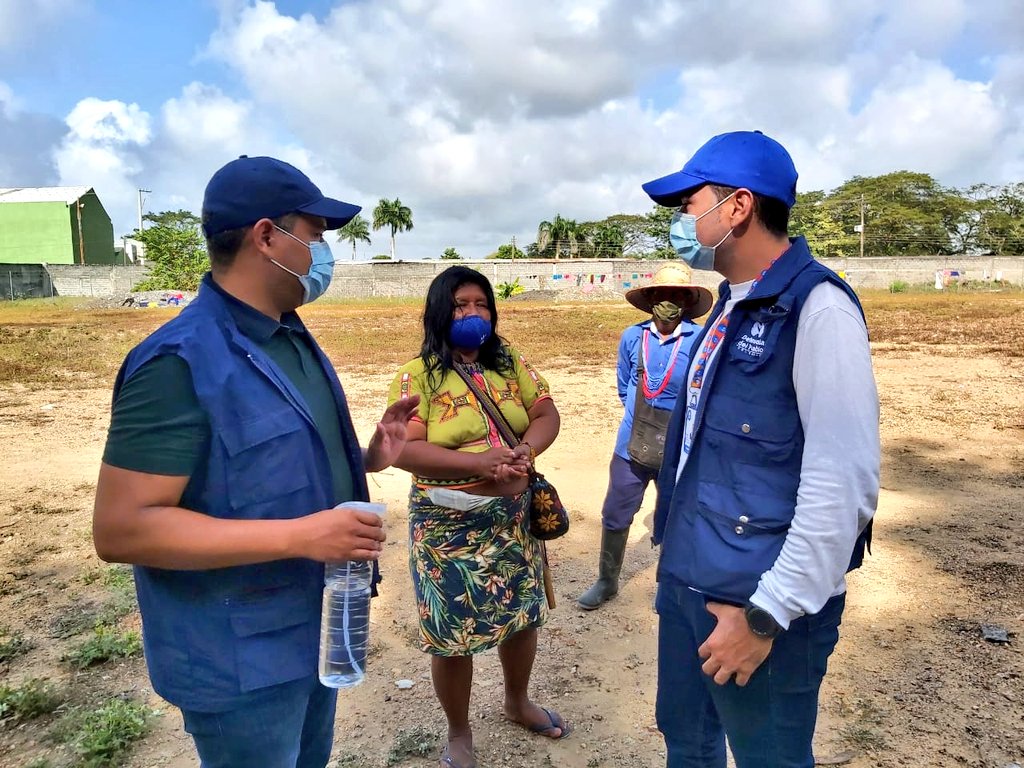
<point x="770" y="721"/>
<point x="285" y="726"/>
<point x="627" y="483"/>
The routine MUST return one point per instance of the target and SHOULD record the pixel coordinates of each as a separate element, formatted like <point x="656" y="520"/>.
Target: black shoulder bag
<point x="647" y="437"/>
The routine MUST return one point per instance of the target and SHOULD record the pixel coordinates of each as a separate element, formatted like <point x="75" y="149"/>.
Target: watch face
<point x="761" y="622"/>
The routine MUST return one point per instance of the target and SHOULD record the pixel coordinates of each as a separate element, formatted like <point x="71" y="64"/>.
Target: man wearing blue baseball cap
<point x="230" y="450"/>
<point x="771" y="470"/>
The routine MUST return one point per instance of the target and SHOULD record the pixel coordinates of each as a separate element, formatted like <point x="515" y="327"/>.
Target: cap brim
<point x="643" y="298"/>
<point x="669" y="190"/>
<point x="336" y="213"/>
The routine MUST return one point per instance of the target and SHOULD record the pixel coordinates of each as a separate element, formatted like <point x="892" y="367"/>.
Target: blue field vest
<point x="211" y="636"/>
<point x="724" y="522"/>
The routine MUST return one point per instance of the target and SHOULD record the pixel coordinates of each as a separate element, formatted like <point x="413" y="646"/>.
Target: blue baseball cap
<point x="252" y="188"/>
<point x="747" y="159"/>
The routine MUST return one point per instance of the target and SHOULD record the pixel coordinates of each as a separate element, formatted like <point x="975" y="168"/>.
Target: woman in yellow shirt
<point x="476" y="569"/>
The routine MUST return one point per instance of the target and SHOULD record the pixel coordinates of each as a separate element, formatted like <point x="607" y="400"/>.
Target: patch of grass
<point x="106" y="643"/>
<point x="31" y="699"/>
<point x="899" y="286"/>
<point x="863" y="733"/>
<point x="12" y="645"/>
<point x="120" y="578"/>
<point x="415" y="742"/>
<point x="103" y="736"/>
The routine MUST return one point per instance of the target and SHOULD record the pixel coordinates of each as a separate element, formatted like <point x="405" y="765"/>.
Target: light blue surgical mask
<point x="321" y="268"/>
<point x="682" y="234"/>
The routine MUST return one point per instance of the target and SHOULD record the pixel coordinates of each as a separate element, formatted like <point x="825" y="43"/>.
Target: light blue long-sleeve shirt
<point x="659" y="354"/>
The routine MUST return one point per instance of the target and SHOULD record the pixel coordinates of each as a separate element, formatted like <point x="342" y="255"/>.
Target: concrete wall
<point x="382" y="279"/>
<point x="77" y="280"/>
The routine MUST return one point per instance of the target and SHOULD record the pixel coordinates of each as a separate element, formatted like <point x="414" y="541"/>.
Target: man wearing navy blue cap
<point x="771" y="469"/>
<point x="230" y="448"/>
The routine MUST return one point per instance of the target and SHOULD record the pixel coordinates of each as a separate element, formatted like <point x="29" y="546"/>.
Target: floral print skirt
<point x="478" y="574"/>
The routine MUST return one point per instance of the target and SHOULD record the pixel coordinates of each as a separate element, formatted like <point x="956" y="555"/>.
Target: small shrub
<point x="12" y="644"/>
<point x="899" y="286"/>
<point x="106" y="643"/>
<point x="32" y="699"/>
<point x="120" y="578"/>
<point x="416" y="742"/>
<point x="508" y="290"/>
<point x="103" y="736"/>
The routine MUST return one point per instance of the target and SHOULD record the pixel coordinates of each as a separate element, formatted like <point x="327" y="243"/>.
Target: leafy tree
<point x="998" y="219"/>
<point x="601" y="240"/>
<point x="450" y="254"/>
<point x="905" y="214"/>
<point x="175" y="251"/>
<point x="507" y="251"/>
<point x="557" y="236"/>
<point x="381" y="257"/>
<point x="391" y="213"/>
<point x="819" y="220"/>
<point x="357" y="230"/>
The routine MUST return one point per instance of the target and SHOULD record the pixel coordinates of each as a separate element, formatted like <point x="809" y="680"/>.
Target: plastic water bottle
<point x="345" y="623"/>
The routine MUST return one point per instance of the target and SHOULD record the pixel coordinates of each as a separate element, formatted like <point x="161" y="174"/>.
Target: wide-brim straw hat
<point x="668" y="281"/>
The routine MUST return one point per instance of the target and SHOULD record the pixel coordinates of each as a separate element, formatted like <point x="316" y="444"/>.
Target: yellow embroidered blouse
<point x="454" y="418"/>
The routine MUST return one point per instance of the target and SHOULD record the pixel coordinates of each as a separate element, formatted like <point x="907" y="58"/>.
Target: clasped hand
<point x="505" y="464"/>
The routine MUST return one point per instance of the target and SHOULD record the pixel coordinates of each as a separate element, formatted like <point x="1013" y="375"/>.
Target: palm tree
<point x="559" y="232"/>
<point x="391" y="213"/>
<point x="358" y="229"/>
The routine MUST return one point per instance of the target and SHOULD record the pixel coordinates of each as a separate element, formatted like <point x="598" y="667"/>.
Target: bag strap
<point x="491" y="408"/>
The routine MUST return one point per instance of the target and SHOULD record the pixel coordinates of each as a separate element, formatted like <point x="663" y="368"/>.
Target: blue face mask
<point x="321" y="268"/>
<point x="682" y="234"/>
<point x="469" y="332"/>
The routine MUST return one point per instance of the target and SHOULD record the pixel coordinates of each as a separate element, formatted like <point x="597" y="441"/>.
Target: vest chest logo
<point x="750" y="341"/>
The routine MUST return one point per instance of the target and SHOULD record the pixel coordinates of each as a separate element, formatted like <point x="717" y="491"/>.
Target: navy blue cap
<point x="746" y="159"/>
<point x="252" y="188"/>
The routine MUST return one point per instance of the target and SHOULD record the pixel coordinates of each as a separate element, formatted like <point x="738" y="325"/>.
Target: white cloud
<point x="102" y="149"/>
<point x="485" y="118"/>
<point x="22" y="21"/>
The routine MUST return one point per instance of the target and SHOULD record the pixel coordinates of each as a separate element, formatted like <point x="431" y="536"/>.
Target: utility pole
<point x="513" y="247"/>
<point x="862" y="226"/>
<point x="81" y="240"/>
<point x="141" y="191"/>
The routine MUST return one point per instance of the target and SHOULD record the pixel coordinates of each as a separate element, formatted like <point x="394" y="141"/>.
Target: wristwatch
<point x="762" y="623"/>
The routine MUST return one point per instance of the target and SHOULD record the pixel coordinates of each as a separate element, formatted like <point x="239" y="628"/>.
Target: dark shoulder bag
<point x="549" y="518"/>
<point x="647" y="437"/>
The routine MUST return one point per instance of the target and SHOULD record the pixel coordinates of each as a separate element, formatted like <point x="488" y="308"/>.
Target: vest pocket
<point x="266" y="459"/>
<point x="748" y="432"/>
<point x="732" y="549"/>
<point x="275" y="638"/>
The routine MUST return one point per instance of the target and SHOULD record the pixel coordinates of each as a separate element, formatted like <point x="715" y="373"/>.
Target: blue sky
<point x="486" y="118"/>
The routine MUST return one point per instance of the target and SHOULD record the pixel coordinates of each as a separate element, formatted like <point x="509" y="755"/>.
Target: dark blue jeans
<point x="770" y="721"/>
<point x="627" y="483"/>
<point x="285" y="726"/>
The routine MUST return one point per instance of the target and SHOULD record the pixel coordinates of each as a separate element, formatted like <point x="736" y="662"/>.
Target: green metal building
<point x="54" y="225"/>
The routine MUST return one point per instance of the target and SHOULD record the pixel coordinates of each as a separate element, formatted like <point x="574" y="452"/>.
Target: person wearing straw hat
<point x="653" y="357"/>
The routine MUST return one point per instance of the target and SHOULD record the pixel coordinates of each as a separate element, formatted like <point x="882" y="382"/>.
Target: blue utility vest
<point x="724" y="522"/>
<point x="211" y="636"/>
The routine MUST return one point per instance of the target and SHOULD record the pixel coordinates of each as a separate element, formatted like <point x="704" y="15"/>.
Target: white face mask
<point x="682" y="233"/>
<point x="321" y="268"/>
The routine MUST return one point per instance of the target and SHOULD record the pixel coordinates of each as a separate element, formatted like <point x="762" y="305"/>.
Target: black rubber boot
<point x="613" y="549"/>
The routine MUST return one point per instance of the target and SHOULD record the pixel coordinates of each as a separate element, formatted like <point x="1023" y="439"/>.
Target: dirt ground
<point x="912" y="681"/>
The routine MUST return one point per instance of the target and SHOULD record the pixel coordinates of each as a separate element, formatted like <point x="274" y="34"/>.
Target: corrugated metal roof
<point x="66" y="195"/>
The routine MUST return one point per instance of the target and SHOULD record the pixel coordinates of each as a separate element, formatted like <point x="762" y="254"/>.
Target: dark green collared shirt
<point x="157" y="425"/>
